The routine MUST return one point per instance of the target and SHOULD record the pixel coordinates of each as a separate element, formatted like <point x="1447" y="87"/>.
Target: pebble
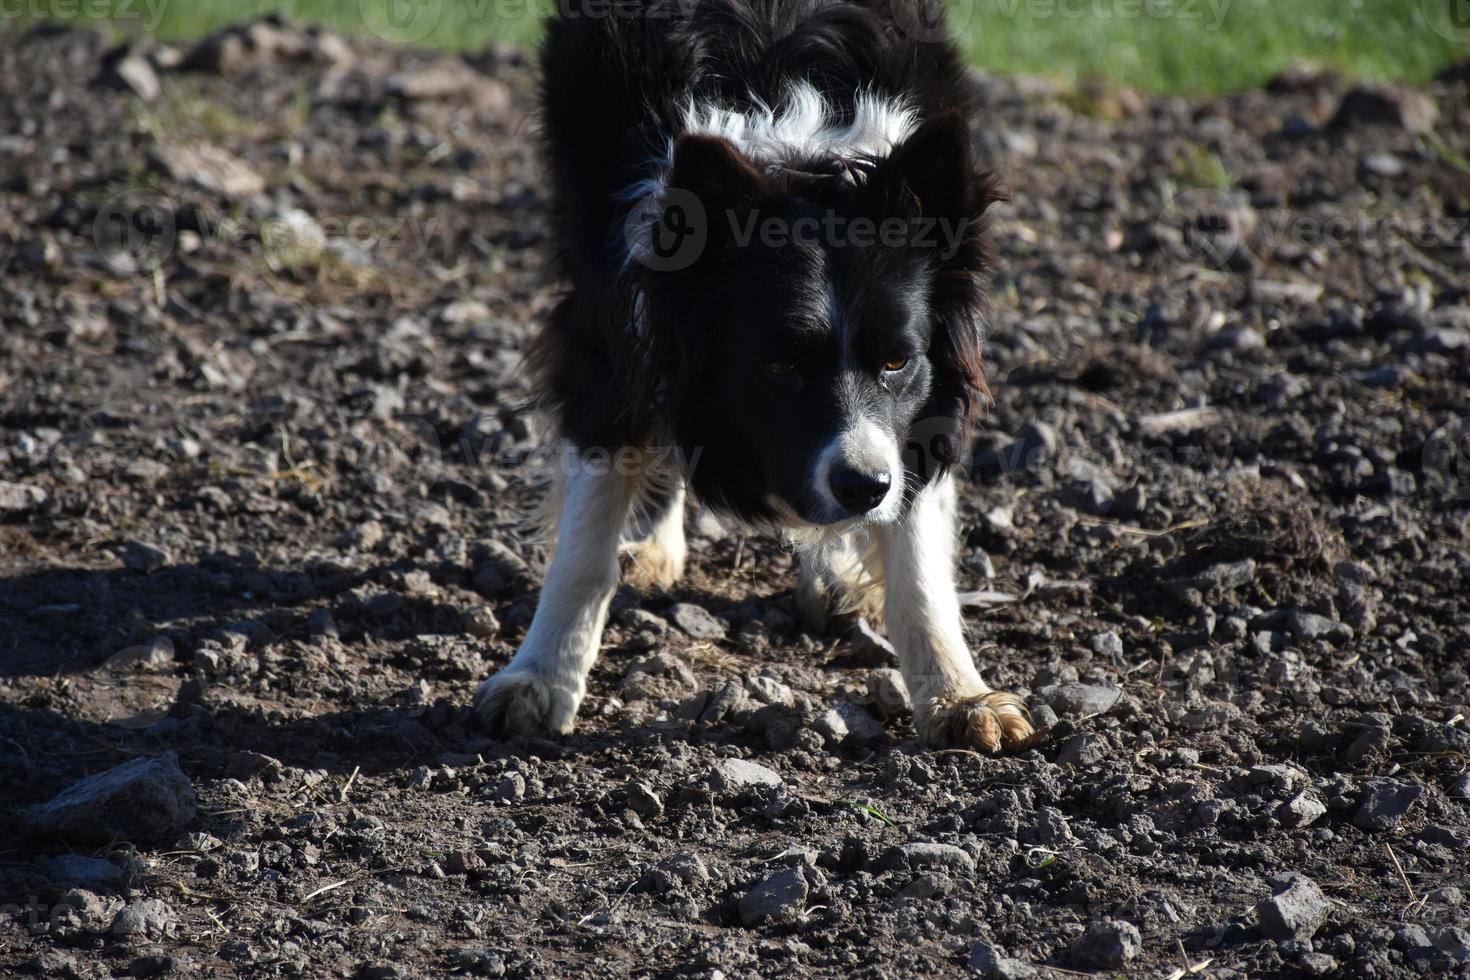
<point x="924" y="856"/>
<point x="643" y="801"/>
<point x="1296" y="911"/>
<point x="18" y="497"/>
<point x="1107" y="644"/>
<point x="845" y="722"/>
<point x="988" y="961"/>
<point x="1302" y="810"/>
<point x="1080" y="699"/>
<point x="1106" y="946"/>
<point x="697" y="621"/>
<point x="78" y="869"/>
<point x="888" y="691"/>
<point x="1385" y="804"/>
<point x="779" y="898"/>
<point x="140" y="556"/>
<point x="738" y="775"/>
<point x="146" y="918"/>
<point x="871" y="648"/>
<point x="146" y="799"/>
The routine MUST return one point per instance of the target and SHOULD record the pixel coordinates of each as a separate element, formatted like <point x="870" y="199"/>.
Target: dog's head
<point x="821" y="349"/>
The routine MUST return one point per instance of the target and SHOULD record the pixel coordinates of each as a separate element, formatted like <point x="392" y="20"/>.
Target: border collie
<point x="773" y="225"/>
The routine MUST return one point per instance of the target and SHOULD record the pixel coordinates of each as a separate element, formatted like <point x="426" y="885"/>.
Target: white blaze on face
<point x="864" y="446"/>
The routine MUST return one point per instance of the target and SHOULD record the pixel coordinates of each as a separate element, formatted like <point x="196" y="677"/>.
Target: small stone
<point x="1449" y="895"/>
<point x="1302" y="810"/>
<point x="845" y="722"/>
<point x="1080" y="699"/>
<point x="156" y="654"/>
<point x="1296" y="911"/>
<point x="697" y="621"/>
<point x="1385" y="804"/>
<point x="479" y="621"/>
<point x="1085" y="749"/>
<point x="780" y="898"/>
<point x="1381" y="105"/>
<point x="888" y="691"/>
<point x="18" y="497"/>
<point x="1444" y="837"/>
<point x="78" y="869"/>
<point x="1108" y="644"/>
<point x="1106" y="946"/>
<point x="213" y="170"/>
<point x="1236" y="338"/>
<point x="1381" y="165"/>
<point x="1088" y="496"/>
<point x="143" y="800"/>
<point x="925" y="856"/>
<point x="739" y="775"/>
<point x="871" y="648"/>
<point x="1460" y="788"/>
<point x="463" y="862"/>
<point x="991" y="962"/>
<point x="146" y="918"/>
<point x="643" y="801"/>
<point x="139" y="556"/>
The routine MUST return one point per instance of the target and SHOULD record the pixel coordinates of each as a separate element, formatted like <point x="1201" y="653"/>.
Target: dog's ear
<point x="712" y="169"/>
<point x="933" y="174"/>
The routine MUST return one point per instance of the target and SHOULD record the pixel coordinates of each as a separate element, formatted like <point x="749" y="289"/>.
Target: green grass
<point x="1187" y="46"/>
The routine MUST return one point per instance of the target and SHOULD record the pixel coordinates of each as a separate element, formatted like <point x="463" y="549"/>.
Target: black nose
<point x="857" y="491"/>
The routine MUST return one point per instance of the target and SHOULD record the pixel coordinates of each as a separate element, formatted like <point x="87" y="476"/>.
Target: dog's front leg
<point x="543" y="685"/>
<point x="952" y="705"/>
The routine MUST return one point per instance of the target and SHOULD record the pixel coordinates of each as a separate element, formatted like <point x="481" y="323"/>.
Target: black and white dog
<point x="773" y="224"/>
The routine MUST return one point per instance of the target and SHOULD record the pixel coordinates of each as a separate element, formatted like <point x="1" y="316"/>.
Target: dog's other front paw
<point x="655" y="566"/>
<point x="515" y="702"/>
<point x="992" y="722"/>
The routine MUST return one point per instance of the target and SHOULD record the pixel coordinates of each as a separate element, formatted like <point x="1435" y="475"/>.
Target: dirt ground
<point x="266" y="461"/>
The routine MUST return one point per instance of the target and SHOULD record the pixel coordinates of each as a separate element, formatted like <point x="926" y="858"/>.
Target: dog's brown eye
<point x="781" y="369"/>
<point x="896" y="364"/>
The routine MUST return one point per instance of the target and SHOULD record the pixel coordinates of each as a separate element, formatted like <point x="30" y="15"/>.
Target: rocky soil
<point x="267" y="456"/>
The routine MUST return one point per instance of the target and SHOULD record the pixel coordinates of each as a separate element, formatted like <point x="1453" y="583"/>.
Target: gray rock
<point x="845" y="722"/>
<point x="1382" y="105"/>
<point x="1449" y="895"/>
<point x="1302" y="810"/>
<point x="1088" y="496"/>
<point x="1381" y="165"/>
<point x="1085" y="749"/>
<point x="1106" y="946"/>
<point x="140" y="556"/>
<point x="1236" y="338"/>
<point x="1454" y="942"/>
<point x="1444" y="837"/>
<point x="143" y="800"/>
<point x="888" y="691"/>
<point x="780" y="898"/>
<point x="739" y="775"/>
<point x="80" y="911"/>
<point x="643" y="801"/>
<point x="1080" y="699"/>
<point x="697" y="621"/>
<point x="1108" y="644"/>
<point x="991" y="962"/>
<point x="1296" y="911"/>
<point x="146" y="918"/>
<point x="156" y="654"/>
<point x="78" y="869"/>
<point x="18" y="497"/>
<point x="1385" y="804"/>
<point x="925" y="856"/>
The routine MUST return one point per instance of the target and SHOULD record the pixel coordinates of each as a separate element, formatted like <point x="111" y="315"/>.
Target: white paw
<point x="655" y="565"/>
<point x="992" y="722"/>
<point x="515" y="702"/>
